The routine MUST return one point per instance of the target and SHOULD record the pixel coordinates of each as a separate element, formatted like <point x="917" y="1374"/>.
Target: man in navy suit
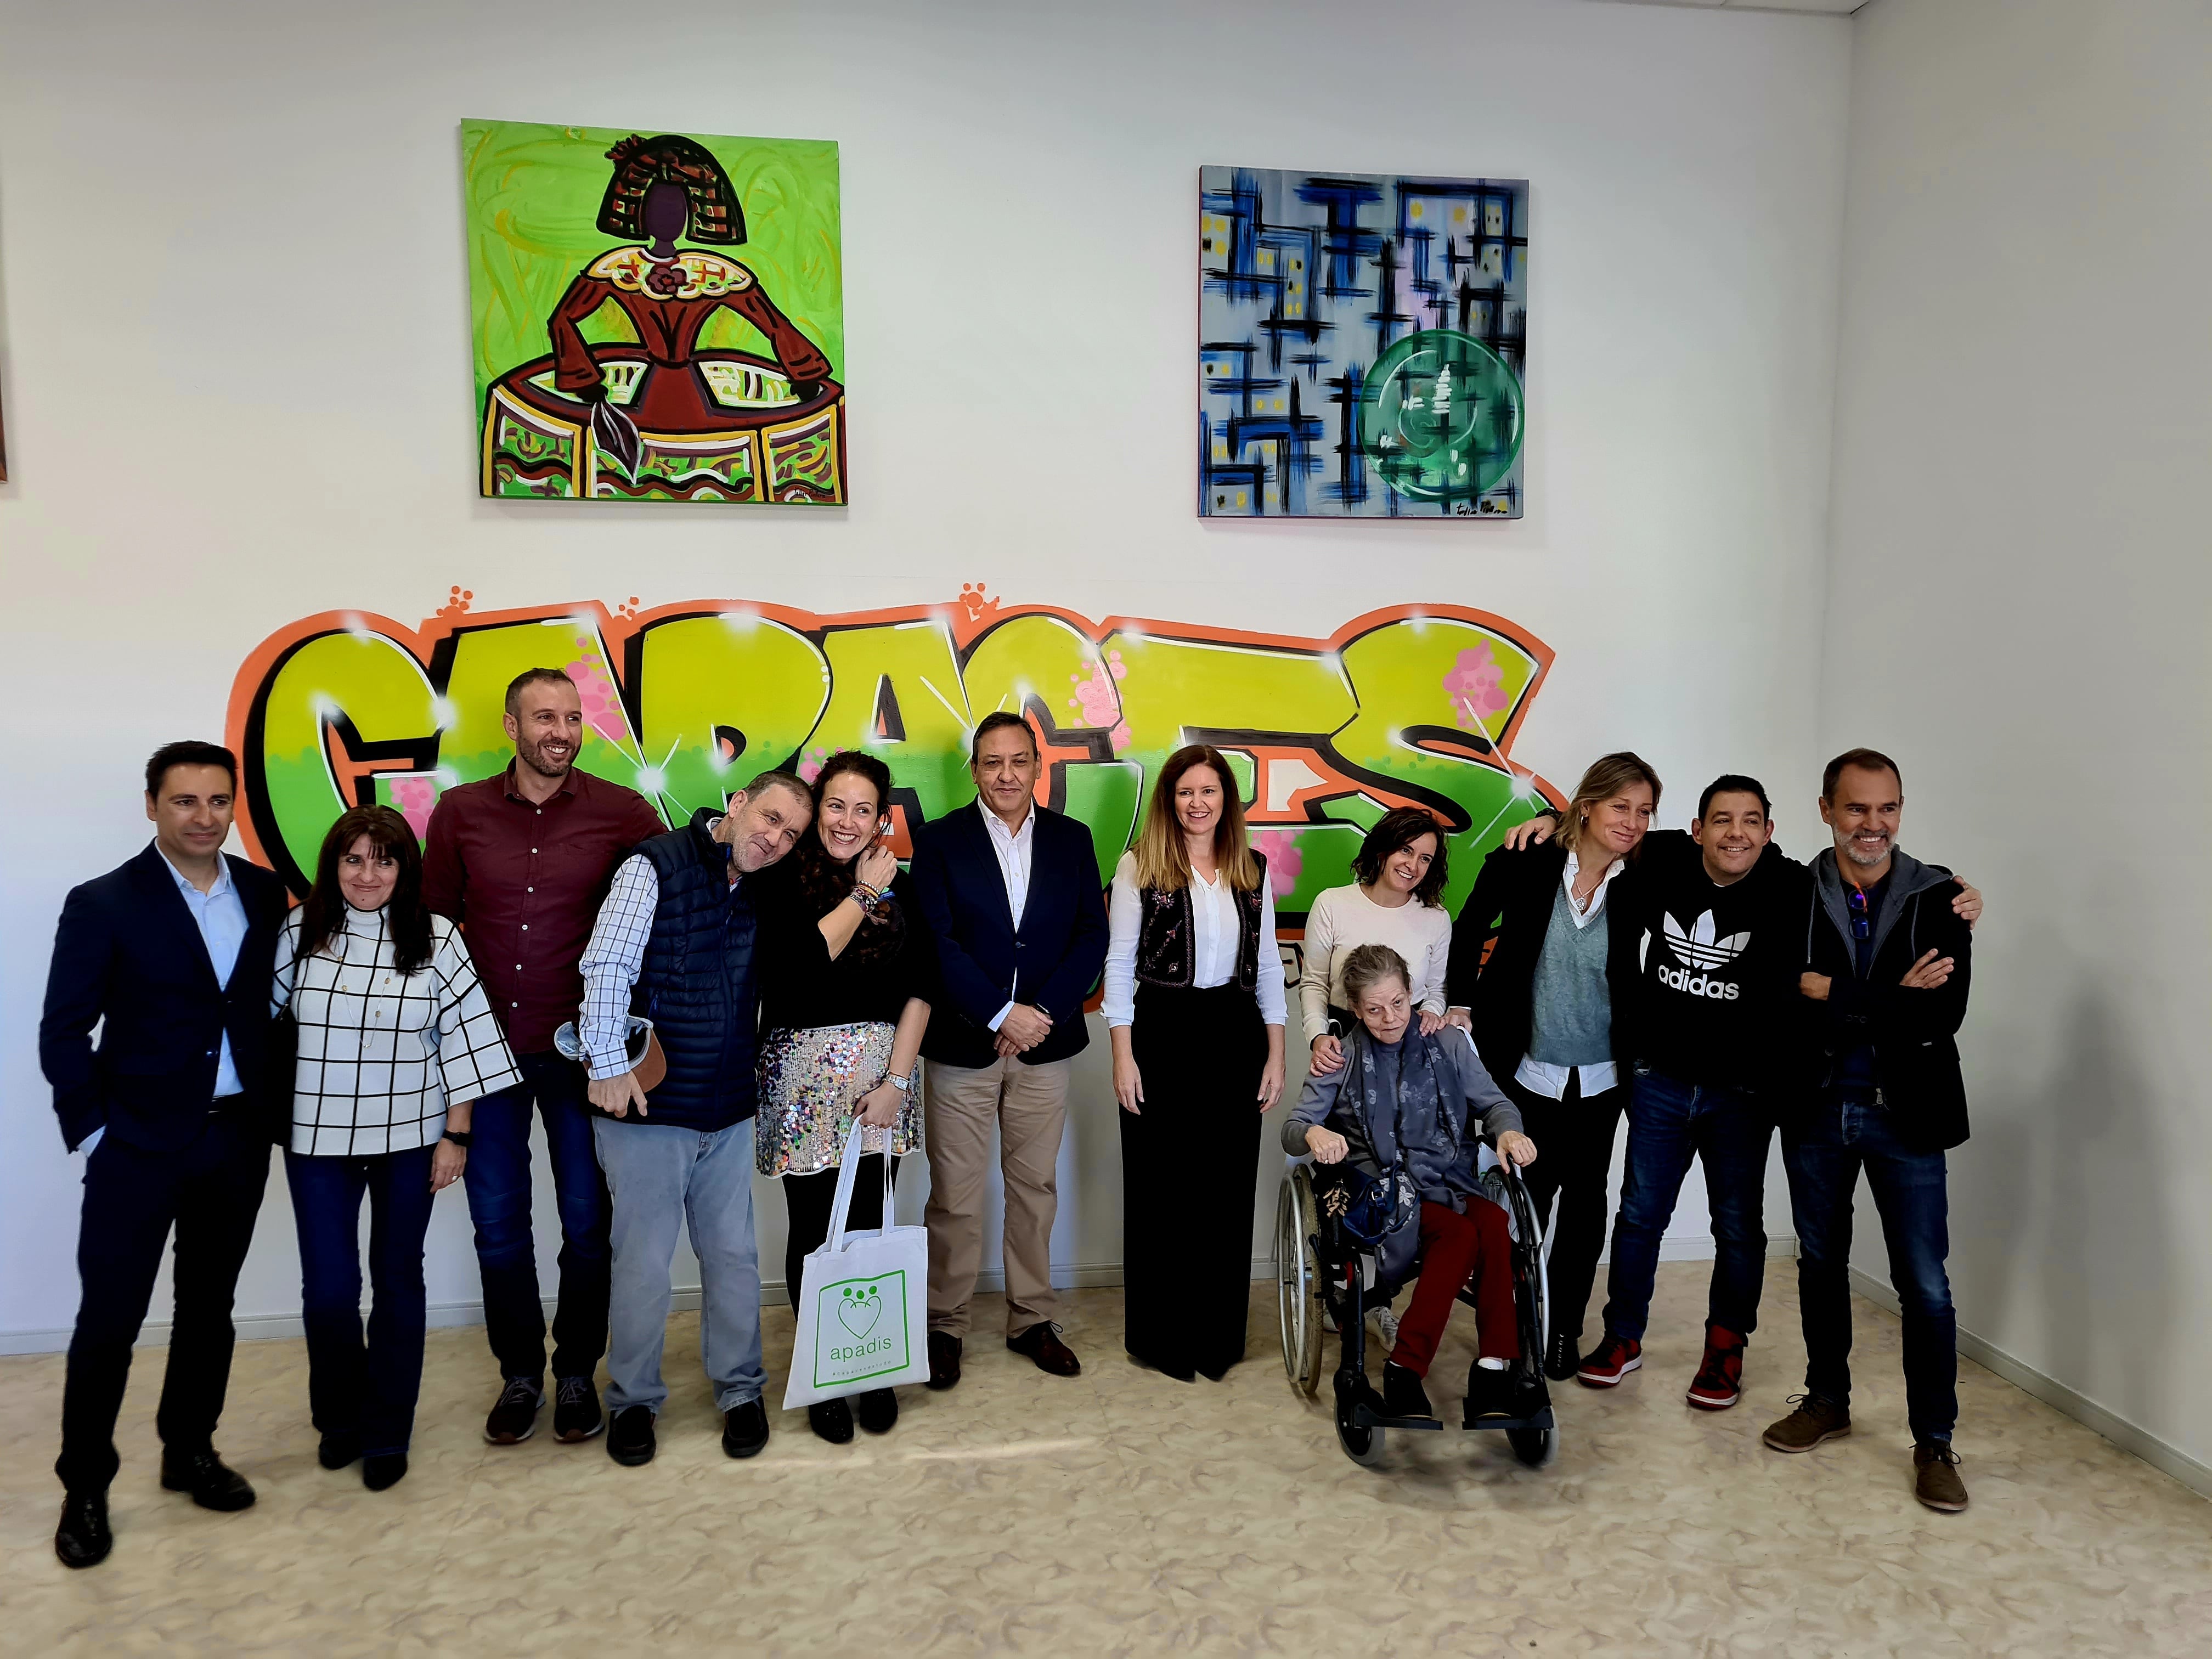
<point x="175" y="952"/>
<point x="1011" y="891"/>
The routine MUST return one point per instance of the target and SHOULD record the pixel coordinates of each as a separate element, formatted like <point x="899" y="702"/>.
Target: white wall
<point x="235" y="357"/>
<point x="2017" y="609"/>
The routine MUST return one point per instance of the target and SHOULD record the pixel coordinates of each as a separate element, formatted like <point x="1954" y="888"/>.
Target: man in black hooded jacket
<point x="1884" y="991"/>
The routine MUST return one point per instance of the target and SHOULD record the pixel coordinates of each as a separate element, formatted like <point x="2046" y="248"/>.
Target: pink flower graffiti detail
<point x="1100" y="702"/>
<point x="603" y="710"/>
<point x="413" y="798"/>
<point x="1284" y="859"/>
<point x="1475" y="687"/>
<point x="810" y="767"/>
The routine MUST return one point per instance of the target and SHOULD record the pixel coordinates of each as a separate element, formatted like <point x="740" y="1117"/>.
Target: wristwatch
<point x="459" y="1137"/>
<point x="904" y="1085"/>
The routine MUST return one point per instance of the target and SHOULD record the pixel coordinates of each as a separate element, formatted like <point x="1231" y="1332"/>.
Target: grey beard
<point x="1865" y="859"/>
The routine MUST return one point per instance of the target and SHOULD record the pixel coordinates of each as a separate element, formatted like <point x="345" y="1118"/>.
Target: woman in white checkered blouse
<point x="397" y="1044"/>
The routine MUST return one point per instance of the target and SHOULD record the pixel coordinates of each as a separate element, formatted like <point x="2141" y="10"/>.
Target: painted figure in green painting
<point x="665" y="188"/>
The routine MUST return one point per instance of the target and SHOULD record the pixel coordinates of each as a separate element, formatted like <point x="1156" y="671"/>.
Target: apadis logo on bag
<point x="1409" y="705"/>
<point x="859" y="1330"/>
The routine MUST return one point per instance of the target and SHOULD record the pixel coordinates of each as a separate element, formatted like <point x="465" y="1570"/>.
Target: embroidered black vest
<point x="1167" y="943"/>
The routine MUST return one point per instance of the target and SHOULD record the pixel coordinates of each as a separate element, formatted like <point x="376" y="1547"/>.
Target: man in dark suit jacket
<point x="1011" y="890"/>
<point x="175" y="952"/>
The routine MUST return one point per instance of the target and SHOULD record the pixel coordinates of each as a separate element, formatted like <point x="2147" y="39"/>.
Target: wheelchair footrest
<point x="1542" y="1419"/>
<point x="1368" y="1417"/>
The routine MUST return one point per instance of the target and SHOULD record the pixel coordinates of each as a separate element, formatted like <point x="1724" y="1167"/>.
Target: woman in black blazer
<point x="1544" y="951"/>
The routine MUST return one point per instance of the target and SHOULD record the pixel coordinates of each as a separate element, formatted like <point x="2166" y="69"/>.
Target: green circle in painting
<point x="1440" y="416"/>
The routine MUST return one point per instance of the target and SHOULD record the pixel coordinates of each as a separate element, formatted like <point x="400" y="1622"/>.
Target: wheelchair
<point x="1320" y="1272"/>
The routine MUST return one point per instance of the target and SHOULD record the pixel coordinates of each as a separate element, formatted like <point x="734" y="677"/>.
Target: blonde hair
<point x="1162" y="860"/>
<point x="1608" y="776"/>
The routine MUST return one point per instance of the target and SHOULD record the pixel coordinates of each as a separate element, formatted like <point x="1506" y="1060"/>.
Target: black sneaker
<point x="1403" y="1394"/>
<point x="1563" y="1355"/>
<point x="876" y="1410"/>
<point x="336" y="1450"/>
<point x="744" y="1428"/>
<point x="384" y="1471"/>
<point x="1491" y="1395"/>
<point x="576" y="1416"/>
<point x="629" y="1437"/>
<point x="831" y="1420"/>
<point x="514" y="1415"/>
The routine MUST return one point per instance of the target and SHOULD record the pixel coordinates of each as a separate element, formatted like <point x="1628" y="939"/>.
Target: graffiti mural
<point x="1409" y="705"/>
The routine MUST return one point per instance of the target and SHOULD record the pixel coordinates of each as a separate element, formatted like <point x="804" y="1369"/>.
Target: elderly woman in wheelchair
<point x="1394" y="1134"/>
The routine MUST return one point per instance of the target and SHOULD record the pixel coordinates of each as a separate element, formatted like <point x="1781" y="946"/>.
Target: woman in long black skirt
<point x="1195" y="1000"/>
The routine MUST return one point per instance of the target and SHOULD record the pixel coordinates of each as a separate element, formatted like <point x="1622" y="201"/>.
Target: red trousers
<point x="1454" y="1248"/>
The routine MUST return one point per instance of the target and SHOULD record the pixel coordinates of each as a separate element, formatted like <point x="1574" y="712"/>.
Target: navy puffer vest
<point x="696" y="986"/>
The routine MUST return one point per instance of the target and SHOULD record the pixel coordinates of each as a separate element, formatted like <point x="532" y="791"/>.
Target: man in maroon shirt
<point x="522" y="861"/>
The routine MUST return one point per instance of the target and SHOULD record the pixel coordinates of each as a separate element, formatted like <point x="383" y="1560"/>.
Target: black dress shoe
<point x="944" y="1360"/>
<point x="832" y="1420"/>
<point x="629" y="1437"/>
<point x="1181" y="1373"/>
<point x="1403" y="1394"/>
<point x="1563" y="1355"/>
<point x="876" y="1410"/>
<point x="1041" y="1343"/>
<point x="383" y="1471"/>
<point x="213" y="1483"/>
<point x="338" y="1450"/>
<point x="744" y="1428"/>
<point x="82" y="1540"/>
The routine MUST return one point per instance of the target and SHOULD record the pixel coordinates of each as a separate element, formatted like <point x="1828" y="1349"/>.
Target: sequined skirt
<point x="811" y="1084"/>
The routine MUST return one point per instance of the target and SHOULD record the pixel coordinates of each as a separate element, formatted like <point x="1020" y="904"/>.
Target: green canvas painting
<point x="656" y="316"/>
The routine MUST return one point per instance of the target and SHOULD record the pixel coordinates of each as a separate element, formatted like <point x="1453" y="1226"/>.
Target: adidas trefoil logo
<point x="1701" y="950"/>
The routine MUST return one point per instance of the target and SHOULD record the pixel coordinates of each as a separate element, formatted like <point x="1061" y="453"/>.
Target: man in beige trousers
<point x="1012" y="892"/>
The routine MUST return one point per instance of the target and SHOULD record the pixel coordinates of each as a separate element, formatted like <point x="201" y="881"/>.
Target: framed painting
<point x="655" y="316"/>
<point x="1362" y="344"/>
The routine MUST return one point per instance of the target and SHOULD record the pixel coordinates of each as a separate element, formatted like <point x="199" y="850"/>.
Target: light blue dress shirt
<point x="219" y="913"/>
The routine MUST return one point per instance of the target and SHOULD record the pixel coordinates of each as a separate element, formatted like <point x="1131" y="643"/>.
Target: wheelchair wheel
<point x="1532" y="1446"/>
<point x="1362" y="1443"/>
<point x="1298" y="1281"/>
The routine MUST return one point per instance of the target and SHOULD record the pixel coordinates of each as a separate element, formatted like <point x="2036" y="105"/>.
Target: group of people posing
<point x="684" y="1010"/>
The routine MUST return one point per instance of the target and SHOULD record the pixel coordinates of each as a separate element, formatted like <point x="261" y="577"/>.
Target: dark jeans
<point x="1670" y="1121"/>
<point x="498" y="1185"/>
<point x="1574" y="1159"/>
<point x="1824" y="1149"/>
<point x="807" y="1200"/>
<point x="211" y="1191"/>
<point x="352" y="1390"/>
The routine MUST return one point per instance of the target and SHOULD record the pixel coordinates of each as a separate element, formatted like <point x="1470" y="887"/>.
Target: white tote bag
<point x="863" y="1302"/>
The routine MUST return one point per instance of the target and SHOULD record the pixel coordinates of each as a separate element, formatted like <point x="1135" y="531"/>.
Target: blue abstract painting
<point x="1362" y="344"/>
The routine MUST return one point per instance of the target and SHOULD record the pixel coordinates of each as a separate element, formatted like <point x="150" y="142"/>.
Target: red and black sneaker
<point x="1610" y="1361"/>
<point x="1719" y="1382"/>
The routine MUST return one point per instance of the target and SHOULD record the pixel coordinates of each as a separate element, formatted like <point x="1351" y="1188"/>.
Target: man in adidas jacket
<point x="1885" y="987"/>
<point x="1725" y="910"/>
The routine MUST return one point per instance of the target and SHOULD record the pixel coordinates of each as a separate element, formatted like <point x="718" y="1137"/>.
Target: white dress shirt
<point x="1537" y="1076"/>
<point x="1214" y="939"/>
<point x="220" y="915"/>
<point x="1014" y="849"/>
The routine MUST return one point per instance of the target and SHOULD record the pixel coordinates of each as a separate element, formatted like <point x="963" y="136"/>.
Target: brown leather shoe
<point x="1935" y="1480"/>
<point x="1041" y="1343"/>
<point x="1814" y="1420"/>
<point x="944" y="1360"/>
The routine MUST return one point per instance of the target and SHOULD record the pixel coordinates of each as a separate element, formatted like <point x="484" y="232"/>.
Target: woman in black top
<point x="846" y="966"/>
<point x="1544" y="948"/>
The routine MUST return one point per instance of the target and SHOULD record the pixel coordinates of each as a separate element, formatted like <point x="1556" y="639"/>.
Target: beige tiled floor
<point x="1123" y="1513"/>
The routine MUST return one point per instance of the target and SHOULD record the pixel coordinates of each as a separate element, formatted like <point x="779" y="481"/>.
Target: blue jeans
<point x="1839" y="1134"/>
<point x="1670" y="1121"/>
<point x="352" y="1389"/>
<point x="661" y="1176"/>
<point x="499" y="1203"/>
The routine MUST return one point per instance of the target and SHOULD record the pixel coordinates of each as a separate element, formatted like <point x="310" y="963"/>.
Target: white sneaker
<point x="1386" y="1327"/>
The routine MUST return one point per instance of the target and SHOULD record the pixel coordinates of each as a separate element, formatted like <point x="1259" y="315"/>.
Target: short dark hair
<point x="189" y="753"/>
<point x="1735" y="783"/>
<point x="530" y="676"/>
<point x="1401" y="827"/>
<point x="1867" y="760"/>
<point x="997" y="720"/>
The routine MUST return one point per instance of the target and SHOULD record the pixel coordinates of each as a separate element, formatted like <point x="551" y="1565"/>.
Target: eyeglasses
<point x="1862" y="922"/>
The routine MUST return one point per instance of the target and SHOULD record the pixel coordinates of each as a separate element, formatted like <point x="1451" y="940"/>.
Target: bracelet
<point x="867" y="897"/>
<point x="460" y="1137"/>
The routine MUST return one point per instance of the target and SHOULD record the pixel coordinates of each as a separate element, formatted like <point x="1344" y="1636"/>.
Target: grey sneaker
<point x="1814" y="1420"/>
<point x="1935" y="1480"/>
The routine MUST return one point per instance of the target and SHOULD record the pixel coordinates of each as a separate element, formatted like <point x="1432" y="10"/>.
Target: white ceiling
<point x="1832" y="7"/>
